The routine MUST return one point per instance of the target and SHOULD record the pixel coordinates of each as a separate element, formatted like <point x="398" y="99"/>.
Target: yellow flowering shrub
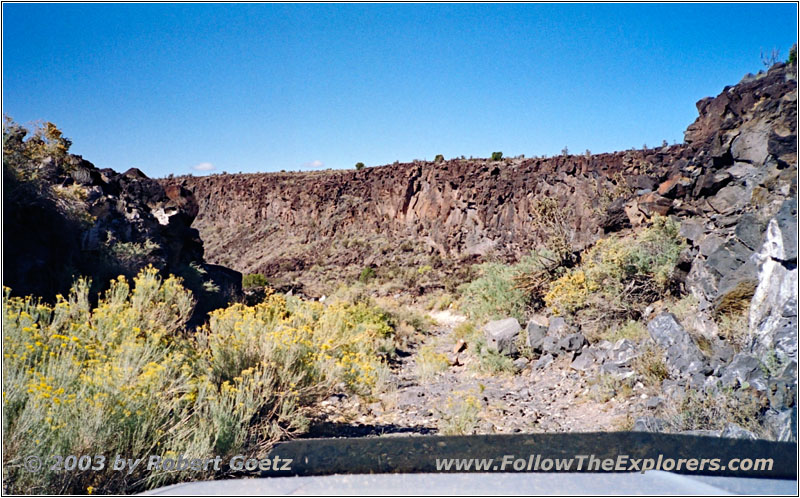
<point x="621" y="273"/>
<point x="125" y="377"/>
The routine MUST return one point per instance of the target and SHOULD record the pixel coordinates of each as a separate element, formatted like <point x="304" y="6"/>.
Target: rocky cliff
<point x="738" y="156"/>
<point x="63" y="218"/>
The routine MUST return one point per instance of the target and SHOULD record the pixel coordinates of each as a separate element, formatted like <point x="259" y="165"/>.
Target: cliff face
<point x="413" y="213"/>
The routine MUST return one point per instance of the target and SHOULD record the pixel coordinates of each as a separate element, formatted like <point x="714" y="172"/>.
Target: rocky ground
<point x="531" y="398"/>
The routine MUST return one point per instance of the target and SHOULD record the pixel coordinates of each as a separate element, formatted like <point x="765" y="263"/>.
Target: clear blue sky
<point x="264" y="87"/>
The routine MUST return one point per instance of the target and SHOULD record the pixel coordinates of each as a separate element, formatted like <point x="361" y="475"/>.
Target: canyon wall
<point x="739" y="153"/>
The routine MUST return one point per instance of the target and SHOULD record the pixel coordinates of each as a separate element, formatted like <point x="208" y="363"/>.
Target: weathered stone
<point x="675" y="186"/>
<point x="710" y="183"/>
<point x="736" y="289"/>
<point x="635" y="216"/>
<point x="586" y="360"/>
<point x="750" y="231"/>
<point x="782" y="425"/>
<point x="728" y="199"/>
<point x="654" y="402"/>
<point x="702" y="281"/>
<point x="550" y="346"/>
<point x="615" y="218"/>
<point x="666" y="331"/>
<point x="782" y="392"/>
<point x="692" y="229"/>
<point x="786" y="221"/>
<point x="750" y="145"/>
<point x="721" y="354"/>
<point x="742" y="170"/>
<point x="745" y="369"/>
<point x="622" y="352"/>
<point x="729" y="257"/>
<point x="641" y="182"/>
<point x="710" y="244"/>
<point x="520" y="364"/>
<point x="573" y="342"/>
<point x="652" y="203"/>
<point x="501" y="335"/>
<point x="543" y="362"/>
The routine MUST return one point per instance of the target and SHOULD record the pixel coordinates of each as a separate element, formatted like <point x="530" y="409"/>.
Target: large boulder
<point x="501" y="335"/>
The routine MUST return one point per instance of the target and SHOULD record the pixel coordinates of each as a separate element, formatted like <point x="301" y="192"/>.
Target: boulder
<point x="750" y="231"/>
<point x="501" y="335"/>
<point x="573" y="342"/>
<point x="537" y="330"/>
<point x="744" y="369"/>
<point x="615" y="218"/>
<point x="676" y="186"/>
<point x="692" y="229"/>
<point x="652" y="203"/>
<point x="520" y="364"/>
<point x="550" y="345"/>
<point x="710" y="182"/>
<point x="782" y="390"/>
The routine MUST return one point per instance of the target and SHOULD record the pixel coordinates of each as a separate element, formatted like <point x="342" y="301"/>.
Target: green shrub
<point x="632" y="330"/>
<point x="494" y="295"/>
<point x="466" y="331"/>
<point x="651" y="367"/>
<point x="792" y="55"/>
<point x="254" y="280"/>
<point x="439" y="158"/>
<point x="605" y="387"/>
<point x="496" y="156"/>
<point x="367" y="274"/>
<point x="359" y="165"/>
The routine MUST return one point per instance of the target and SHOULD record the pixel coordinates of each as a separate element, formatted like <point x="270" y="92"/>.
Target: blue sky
<point x="179" y="88"/>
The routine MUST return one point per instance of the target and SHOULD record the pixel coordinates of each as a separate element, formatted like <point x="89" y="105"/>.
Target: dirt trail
<point x="552" y="399"/>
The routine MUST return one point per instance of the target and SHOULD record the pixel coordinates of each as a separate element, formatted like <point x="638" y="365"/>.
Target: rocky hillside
<point x="63" y="218"/>
<point x="738" y="155"/>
